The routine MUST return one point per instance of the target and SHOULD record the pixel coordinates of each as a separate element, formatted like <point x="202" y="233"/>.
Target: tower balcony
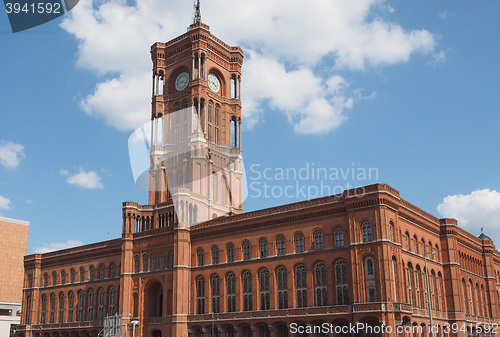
<point x="141" y="218"/>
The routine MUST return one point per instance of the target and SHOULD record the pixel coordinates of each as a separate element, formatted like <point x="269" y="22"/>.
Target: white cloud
<point x="11" y="154"/>
<point x="83" y="179"/>
<point x="4" y="203"/>
<point x="50" y="247"/>
<point x="478" y="209"/>
<point x="439" y="57"/>
<point x="293" y="39"/>
<point x="444" y="15"/>
<point x="311" y="104"/>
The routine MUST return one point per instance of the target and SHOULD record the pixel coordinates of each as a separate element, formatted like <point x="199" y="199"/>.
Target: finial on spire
<point x="197" y="12"/>
<point x="481" y="230"/>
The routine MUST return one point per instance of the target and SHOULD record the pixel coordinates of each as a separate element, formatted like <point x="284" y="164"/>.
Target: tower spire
<point x="197" y="12"/>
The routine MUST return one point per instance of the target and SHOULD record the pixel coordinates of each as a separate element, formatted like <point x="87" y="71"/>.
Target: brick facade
<point x="191" y="263"/>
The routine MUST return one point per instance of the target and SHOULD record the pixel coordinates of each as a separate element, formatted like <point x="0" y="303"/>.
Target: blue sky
<point x="409" y="89"/>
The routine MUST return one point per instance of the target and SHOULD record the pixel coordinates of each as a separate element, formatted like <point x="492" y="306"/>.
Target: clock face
<point x="213" y="82"/>
<point x="182" y="81"/>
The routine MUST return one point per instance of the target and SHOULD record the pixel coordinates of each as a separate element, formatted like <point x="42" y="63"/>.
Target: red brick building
<point x="191" y="263"/>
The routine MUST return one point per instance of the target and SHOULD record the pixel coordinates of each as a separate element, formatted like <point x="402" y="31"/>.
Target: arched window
<point x="223" y="191"/>
<point x="91" y="273"/>
<point x="407" y="243"/>
<point x="485" y="306"/>
<point x="231" y="292"/>
<point x="230" y="253"/>
<point x="170" y="259"/>
<point x="341" y="282"/>
<point x="478" y="304"/>
<point x="370" y="280"/>
<point x="137" y="264"/>
<point x="145" y="262"/>
<point x="215" y="294"/>
<point x="471" y="302"/>
<point x="82" y="274"/>
<point x="415" y="244"/>
<point x="440" y="300"/>
<point x="366" y="231"/>
<point x="200" y="295"/>
<point x="301" y="286"/>
<point x="417" y="286"/>
<point x="246" y="250"/>
<point x="283" y="330"/>
<point x="422" y="247"/>
<point x="299" y="243"/>
<point x="44" y="309"/>
<point x="163" y="263"/>
<point x="433" y="291"/>
<point x="464" y="297"/>
<point x="79" y="317"/>
<point x="52" y="308"/>
<point x="264" y="331"/>
<point x="61" y="307"/>
<point x="339" y="237"/>
<point x="71" y="305"/>
<point x="282" y="282"/>
<point x="318" y="240"/>
<point x="436" y="256"/>
<point x="111" y="301"/>
<point x="63" y="277"/>
<point x="102" y="270"/>
<point x="263" y="248"/>
<point x="320" y="284"/>
<point x="280" y="245"/>
<point x="215" y="255"/>
<point x="90" y="308"/>
<point x="394" y="283"/>
<point x="185" y="120"/>
<point x="217" y="108"/>
<point x="28" y="310"/>
<point x="200" y="254"/>
<point x="264" y="289"/>
<point x="247" y="291"/>
<point x="100" y="305"/>
<point x="214" y="189"/>
<point x="409" y="273"/>
<point x="210" y="109"/>
<point x="54" y="278"/>
<point x="45" y="280"/>
<point x="153" y="262"/>
<point x="391" y="231"/>
<point x="112" y="270"/>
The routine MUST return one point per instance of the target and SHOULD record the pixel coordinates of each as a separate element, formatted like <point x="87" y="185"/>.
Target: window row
<point x="71" y="307"/>
<point x="424" y="289"/>
<point x="61" y="278"/>
<point x="272" y="290"/>
<point x="151" y="263"/>
<point x="298" y="246"/>
<point x="474" y="299"/>
<point x="470" y="263"/>
<point x="420" y="247"/>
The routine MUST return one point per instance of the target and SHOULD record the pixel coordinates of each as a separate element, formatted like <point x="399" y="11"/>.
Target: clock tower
<point x="196" y="160"/>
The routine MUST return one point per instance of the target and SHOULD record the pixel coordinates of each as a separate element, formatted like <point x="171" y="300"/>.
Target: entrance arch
<point x="153" y="300"/>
